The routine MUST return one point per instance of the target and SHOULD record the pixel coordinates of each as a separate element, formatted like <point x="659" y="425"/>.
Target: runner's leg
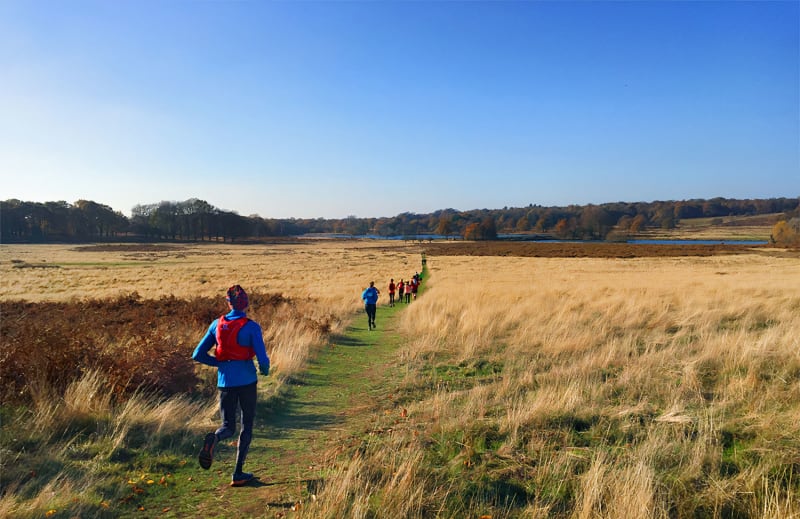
<point x="228" y="403"/>
<point x="247" y="401"/>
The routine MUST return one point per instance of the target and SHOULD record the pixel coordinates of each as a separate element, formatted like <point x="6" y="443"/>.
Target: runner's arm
<point x="255" y="339"/>
<point x="208" y="341"/>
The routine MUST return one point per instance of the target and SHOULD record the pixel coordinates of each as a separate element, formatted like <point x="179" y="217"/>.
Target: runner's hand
<point x="264" y="370"/>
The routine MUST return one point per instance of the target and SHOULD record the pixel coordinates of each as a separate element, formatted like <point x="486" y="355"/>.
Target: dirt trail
<point x="343" y="391"/>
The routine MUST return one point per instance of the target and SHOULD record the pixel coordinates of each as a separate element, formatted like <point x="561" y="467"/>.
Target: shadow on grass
<point x="339" y="340"/>
<point x="285" y="414"/>
<point x="313" y="485"/>
<point x="284" y="425"/>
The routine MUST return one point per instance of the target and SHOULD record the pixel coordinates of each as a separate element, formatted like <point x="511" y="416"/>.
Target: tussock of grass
<point x="75" y="450"/>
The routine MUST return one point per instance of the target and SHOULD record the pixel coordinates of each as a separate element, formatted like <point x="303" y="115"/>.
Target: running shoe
<point x="240" y="479"/>
<point x="207" y="452"/>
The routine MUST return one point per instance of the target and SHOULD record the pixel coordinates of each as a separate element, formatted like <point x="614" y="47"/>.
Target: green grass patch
<point x="23" y="265"/>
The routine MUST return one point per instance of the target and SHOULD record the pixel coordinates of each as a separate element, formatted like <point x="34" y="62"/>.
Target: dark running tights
<point x="230" y="399"/>
<point x="370" y="312"/>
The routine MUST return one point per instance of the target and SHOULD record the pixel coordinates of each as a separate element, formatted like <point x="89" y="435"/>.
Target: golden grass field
<point x="615" y="388"/>
<point x="324" y="279"/>
<point x="665" y="383"/>
<point x="594" y="387"/>
<point x="757" y="227"/>
<point x="332" y="272"/>
<point x="321" y="280"/>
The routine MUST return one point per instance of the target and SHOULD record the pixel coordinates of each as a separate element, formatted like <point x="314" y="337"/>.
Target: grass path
<point x="344" y="393"/>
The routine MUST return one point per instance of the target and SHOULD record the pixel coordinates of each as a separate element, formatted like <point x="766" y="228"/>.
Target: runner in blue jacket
<point x="236" y="340"/>
<point x="370" y="297"/>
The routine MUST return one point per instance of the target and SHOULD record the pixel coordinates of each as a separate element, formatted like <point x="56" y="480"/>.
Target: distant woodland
<point x="197" y="220"/>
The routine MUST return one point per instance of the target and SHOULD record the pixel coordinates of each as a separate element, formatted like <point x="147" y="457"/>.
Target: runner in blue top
<point x="236" y="340"/>
<point x="370" y="297"/>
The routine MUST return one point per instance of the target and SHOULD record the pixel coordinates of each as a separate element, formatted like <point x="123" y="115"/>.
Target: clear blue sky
<point x="328" y="109"/>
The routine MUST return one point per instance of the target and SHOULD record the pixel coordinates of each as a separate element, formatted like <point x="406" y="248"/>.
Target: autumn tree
<point x="445" y="226"/>
<point x="561" y="228"/>
<point x="471" y="231"/>
<point x="486" y="229"/>
<point x="786" y="233"/>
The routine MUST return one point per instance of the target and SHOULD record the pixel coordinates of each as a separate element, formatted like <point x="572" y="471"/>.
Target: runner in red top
<point x="391" y="292"/>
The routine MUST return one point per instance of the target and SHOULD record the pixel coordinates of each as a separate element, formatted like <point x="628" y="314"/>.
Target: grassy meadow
<point x="526" y="387"/>
<point x="308" y="290"/>
<point x="326" y="272"/>
<point x="97" y="379"/>
<point x="583" y="388"/>
<point x="748" y="228"/>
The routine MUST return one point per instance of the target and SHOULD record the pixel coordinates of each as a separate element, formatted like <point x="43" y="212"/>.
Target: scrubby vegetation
<point x="136" y="344"/>
<point x="94" y="390"/>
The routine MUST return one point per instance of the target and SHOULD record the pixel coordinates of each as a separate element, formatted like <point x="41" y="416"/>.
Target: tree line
<point x="197" y="220"/>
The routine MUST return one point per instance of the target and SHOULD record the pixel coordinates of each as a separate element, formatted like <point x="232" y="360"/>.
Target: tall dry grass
<point x="97" y="345"/>
<point x="584" y="388"/>
<point x="332" y="274"/>
<point x="61" y="453"/>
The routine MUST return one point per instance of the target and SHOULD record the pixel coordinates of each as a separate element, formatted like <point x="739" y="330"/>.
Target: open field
<point x="647" y="387"/>
<point x="582" y="386"/>
<point x="107" y="303"/>
<point x="333" y="273"/>
<point x="95" y="358"/>
<point x="720" y="228"/>
<point x="592" y="387"/>
<point x="308" y="288"/>
<point x="547" y="249"/>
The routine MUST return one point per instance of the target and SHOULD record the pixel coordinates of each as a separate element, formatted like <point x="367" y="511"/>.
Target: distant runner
<point x="236" y="340"/>
<point x="370" y="297"/>
<point x="391" y="292"/>
<point x="400" y="289"/>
